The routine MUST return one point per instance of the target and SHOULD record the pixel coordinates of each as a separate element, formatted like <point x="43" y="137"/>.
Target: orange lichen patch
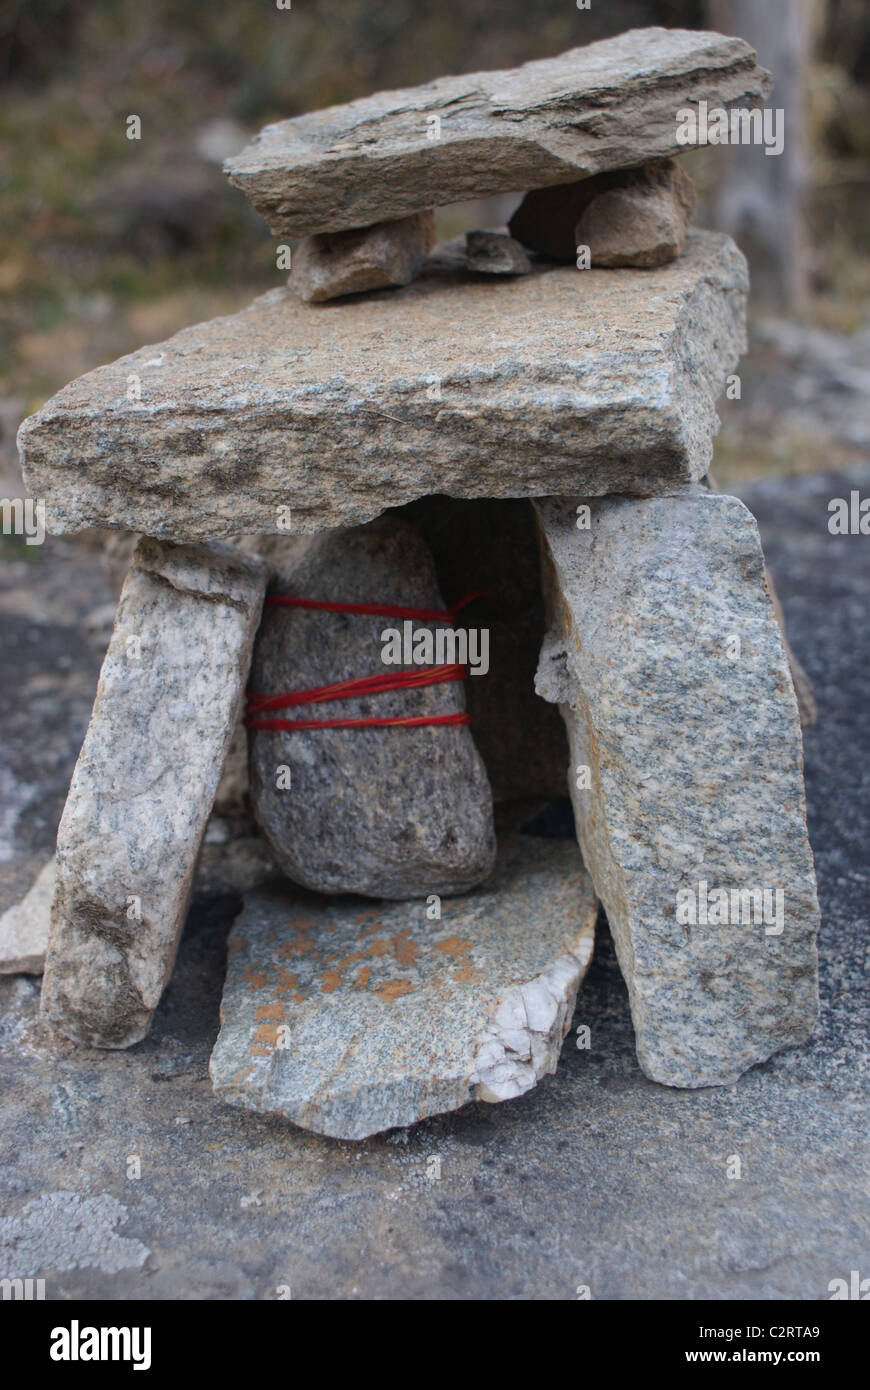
<point x="298" y="933"/>
<point x="274" y="1011"/>
<point x="379" y="947"/>
<point x="454" y="946"/>
<point x="266" y="1033"/>
<point x="259" y="1050"/>
<point x="330" y="981"/>
<point x="404" y="949"/>
<point x="287" y="980"/>
<point x="375" y="925"/>
<point x="235" y="945"/>
<point x="242" y="1076"/>
<point x="465" y="973"/>
<point x="362" y="979"/>
<point x="303" y="923"/>
<point x="459" y="948"/>
<point x="367" y="915"/>
<point x="393" y="989"/>
<point x="255" y="979"/>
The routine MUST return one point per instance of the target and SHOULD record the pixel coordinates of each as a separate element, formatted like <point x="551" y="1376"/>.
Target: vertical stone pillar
<point x="168" y="700"/>
<point x="686" y="773"/>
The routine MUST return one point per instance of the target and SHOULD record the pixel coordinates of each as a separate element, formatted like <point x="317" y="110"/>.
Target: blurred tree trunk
<point x="759" y="199"/>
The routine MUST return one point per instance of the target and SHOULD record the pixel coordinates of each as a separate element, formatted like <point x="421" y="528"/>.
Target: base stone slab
<point x="350" y="1018"/>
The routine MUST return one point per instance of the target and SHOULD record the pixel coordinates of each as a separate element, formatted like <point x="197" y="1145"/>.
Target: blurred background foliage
<point x="106" y="243"/>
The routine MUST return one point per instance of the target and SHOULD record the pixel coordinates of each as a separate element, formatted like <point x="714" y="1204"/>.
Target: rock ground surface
<point x="560" y="381"/>
<point x="482" y="1203"/>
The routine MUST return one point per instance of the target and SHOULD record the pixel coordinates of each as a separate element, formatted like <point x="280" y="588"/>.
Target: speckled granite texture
<point x="170" y="692"/>
<point x="315" y="416"/>
<point x="609" y="105"/>
<point x="388" y="812"/>
<point x="668" y="664"/>
<point x="350" y="1018"/>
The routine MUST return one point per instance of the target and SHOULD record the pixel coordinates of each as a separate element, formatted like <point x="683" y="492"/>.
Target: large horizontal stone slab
<point x="554" y="383"/>
<point x="609" y="105"/>
<point x="687" y="775"/>
<point x="167" y="703"/>
<point x="349" y="1017"/>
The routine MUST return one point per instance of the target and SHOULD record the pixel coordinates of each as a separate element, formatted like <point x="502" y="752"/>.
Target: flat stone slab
<point x="667" y="661"/>
<point x="351" y="1018"/>
<point x="609" y="105"/>
<point x="559" y="382"/>
<point x="24" y="927"/>
<point x="167" y="704"/>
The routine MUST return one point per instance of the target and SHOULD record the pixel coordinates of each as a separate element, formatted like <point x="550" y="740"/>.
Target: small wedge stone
<point x="636" y="218"/>
<point x="493" y="253"/>
<point x="384" y="256"/>
<point x="24" y="927"/>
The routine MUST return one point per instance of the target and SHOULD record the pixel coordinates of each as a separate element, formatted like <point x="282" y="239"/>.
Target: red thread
<point x="377" y="610"/>
<point x="363" y="685"/>
<point x="360" y="685"/>
<point x="458" y="717"/>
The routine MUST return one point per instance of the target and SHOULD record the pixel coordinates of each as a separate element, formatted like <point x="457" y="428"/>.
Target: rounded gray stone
<point x="393" y="811"/>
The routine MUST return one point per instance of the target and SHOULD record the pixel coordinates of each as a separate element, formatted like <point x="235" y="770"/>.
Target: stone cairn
<point x="506" y="437"/>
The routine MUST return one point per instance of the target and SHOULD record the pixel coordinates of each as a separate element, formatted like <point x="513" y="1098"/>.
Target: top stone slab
<point x="609" y="105"/>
